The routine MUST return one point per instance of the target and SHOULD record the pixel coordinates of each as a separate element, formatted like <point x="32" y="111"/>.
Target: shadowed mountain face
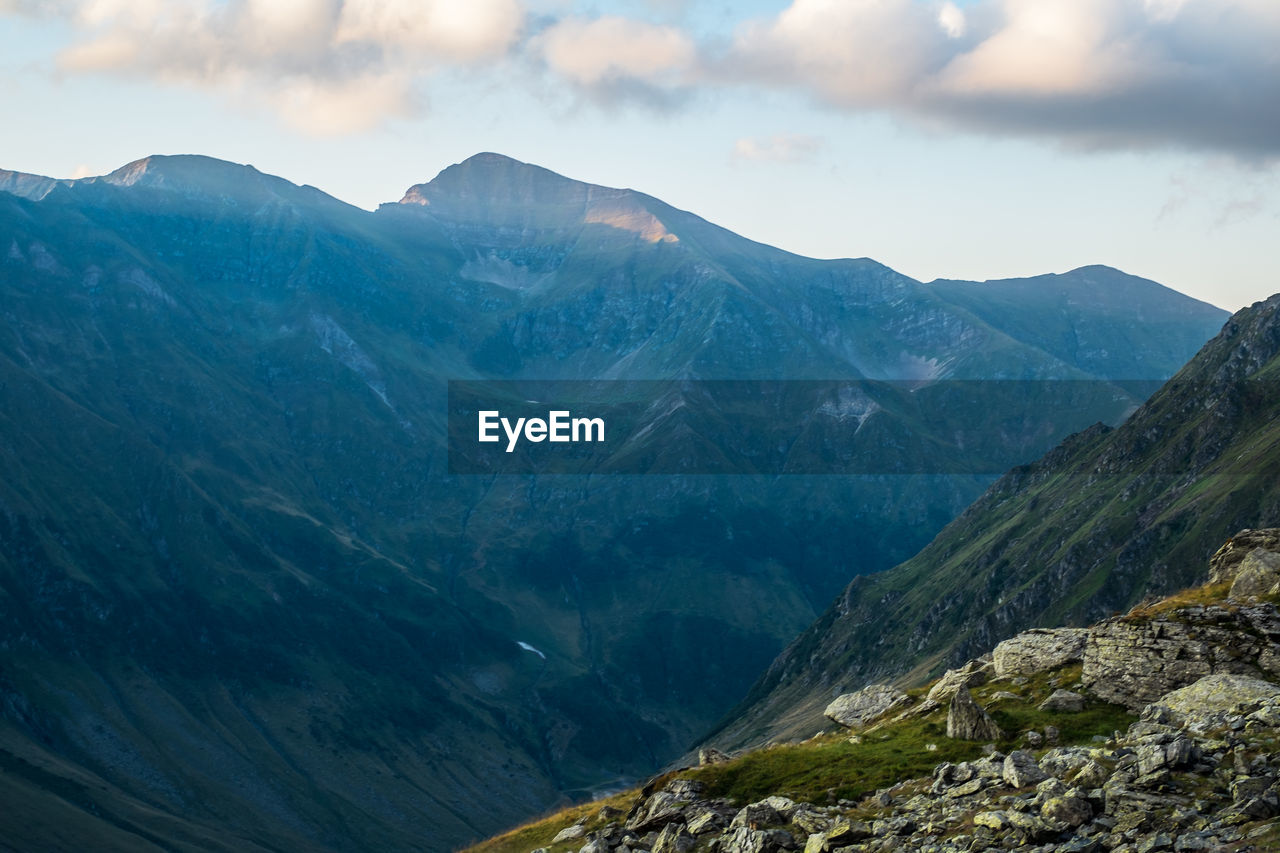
<point x="1104" y="520"/>
<point x="246" y="606"/>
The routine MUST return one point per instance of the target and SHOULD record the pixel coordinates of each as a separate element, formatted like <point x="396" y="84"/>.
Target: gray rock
<point x="660" y="809"/>
<point x="674" y="838"/>
<point x="711" y="755"/>
<point x="967" y="720"/>
<point x="705" y="820"/>
<point x="746" y="840"/>
<point x="1224" y="565"/>
<point x="755" y="816"/>
<point x="1219" y="694"/>
<point x="570" y="833"/>
<point x="1020" y="770"/>
<point x="1258" y="575"/>
<point x="1033" y="828"/>
<point x="1173" y="753"/>
<point x="784" y="806"/>
<point x="1038" y="650"/>
<point x="1065" y="701"/>
<point x="1071" y="810"/>
<point x="855" y="710"/>
<point x="973" y="674"/>
<point x="1133" y="661"/>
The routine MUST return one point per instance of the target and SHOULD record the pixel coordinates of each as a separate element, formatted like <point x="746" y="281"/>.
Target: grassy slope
<point x="833" y="765"/>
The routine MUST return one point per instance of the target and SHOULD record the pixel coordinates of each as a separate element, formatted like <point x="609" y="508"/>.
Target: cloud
<point x="326" y="66"/>
<point x="1197" y="74"/>
<point x="781" y="148"/>
<point x="619" y="59"/>
<point x="1194" y="74"/>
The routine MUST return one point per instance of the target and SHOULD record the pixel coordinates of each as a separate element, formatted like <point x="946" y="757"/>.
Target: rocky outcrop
<point x="855" y="710"/>
<point x="1259" y="576"/>
<point x="1197" y="772"/>
<point x="967" y="720"/>
<point x="1133" y="660"/>
<point x="1127" y="794"/>
<point x="1224" y="565"/>
<point x="1038" y="650"/>
<point x="1216" y="695"/>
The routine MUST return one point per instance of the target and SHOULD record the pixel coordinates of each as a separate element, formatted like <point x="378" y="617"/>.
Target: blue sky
<point x="973" y="140"/>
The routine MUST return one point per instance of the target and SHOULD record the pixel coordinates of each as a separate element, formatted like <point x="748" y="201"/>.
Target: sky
<point x="972" y="140"/>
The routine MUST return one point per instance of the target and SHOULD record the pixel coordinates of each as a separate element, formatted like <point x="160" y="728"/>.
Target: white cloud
<point x="951" y="19"/>
<point x="466" y="32"/>
<point x="1190" y="73"/>
<point x="780" y="148"/>
<point x="1198" y="74"/>
<point x="591" y="52"/>
<point x="326" y="66"/>
<point x="852" y="52"/>
<point x="1048" y="47"/>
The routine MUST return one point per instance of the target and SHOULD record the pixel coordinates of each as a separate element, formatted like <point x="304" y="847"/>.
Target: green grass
<point x="538" y="833"/>
<point x="833" y="767"/>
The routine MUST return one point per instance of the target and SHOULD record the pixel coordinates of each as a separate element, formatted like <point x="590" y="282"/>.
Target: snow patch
<point x="528" y="648"/>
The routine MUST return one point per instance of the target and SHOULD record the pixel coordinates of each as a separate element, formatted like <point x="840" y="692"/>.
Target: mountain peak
<point x="497" y="190"/>
<point x="498" y="179"/>
<point x="199" y="177"/>
<point x="184" y="171"/>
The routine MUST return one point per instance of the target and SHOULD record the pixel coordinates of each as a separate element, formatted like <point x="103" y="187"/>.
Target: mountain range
<point x="247" y="606"/>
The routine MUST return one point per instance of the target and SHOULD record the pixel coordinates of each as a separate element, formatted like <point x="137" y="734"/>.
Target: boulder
<point x="1038" y="650"/>
<point x="711" y="755"/>
<point x="570" y="833"/>
<point x="756" y="815"/>
<point x="1225" y="564"/>
<point x="967" y="720"/>
<point x="1065" y="701"/>
<point x="657" y="811"/>
<point x="1258" y="575"/>
<point x="1069" y="809"/>
<point x="1219" y="694"/>
<point x="674" y="838"/>
<point x="745" y="840"/>
<point x="1163" y="754"/>
<point x="705" y="820"/>
<point x="973" y="674"/>
<point x="855" y="710"/>
<point x="1020" y="770"/>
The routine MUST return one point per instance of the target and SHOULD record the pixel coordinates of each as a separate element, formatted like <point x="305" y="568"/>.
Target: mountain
<point x="1105" y="519"/>
<point x="248" y="605"/>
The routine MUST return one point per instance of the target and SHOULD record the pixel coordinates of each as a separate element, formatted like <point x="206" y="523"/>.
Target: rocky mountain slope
<point x="1107" y="518"/>
<point x="1066" y="769"/>
<point x="244" y="602"/>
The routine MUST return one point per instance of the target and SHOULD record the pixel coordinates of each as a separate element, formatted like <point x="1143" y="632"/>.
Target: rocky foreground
<point x="1197" y="771"/>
